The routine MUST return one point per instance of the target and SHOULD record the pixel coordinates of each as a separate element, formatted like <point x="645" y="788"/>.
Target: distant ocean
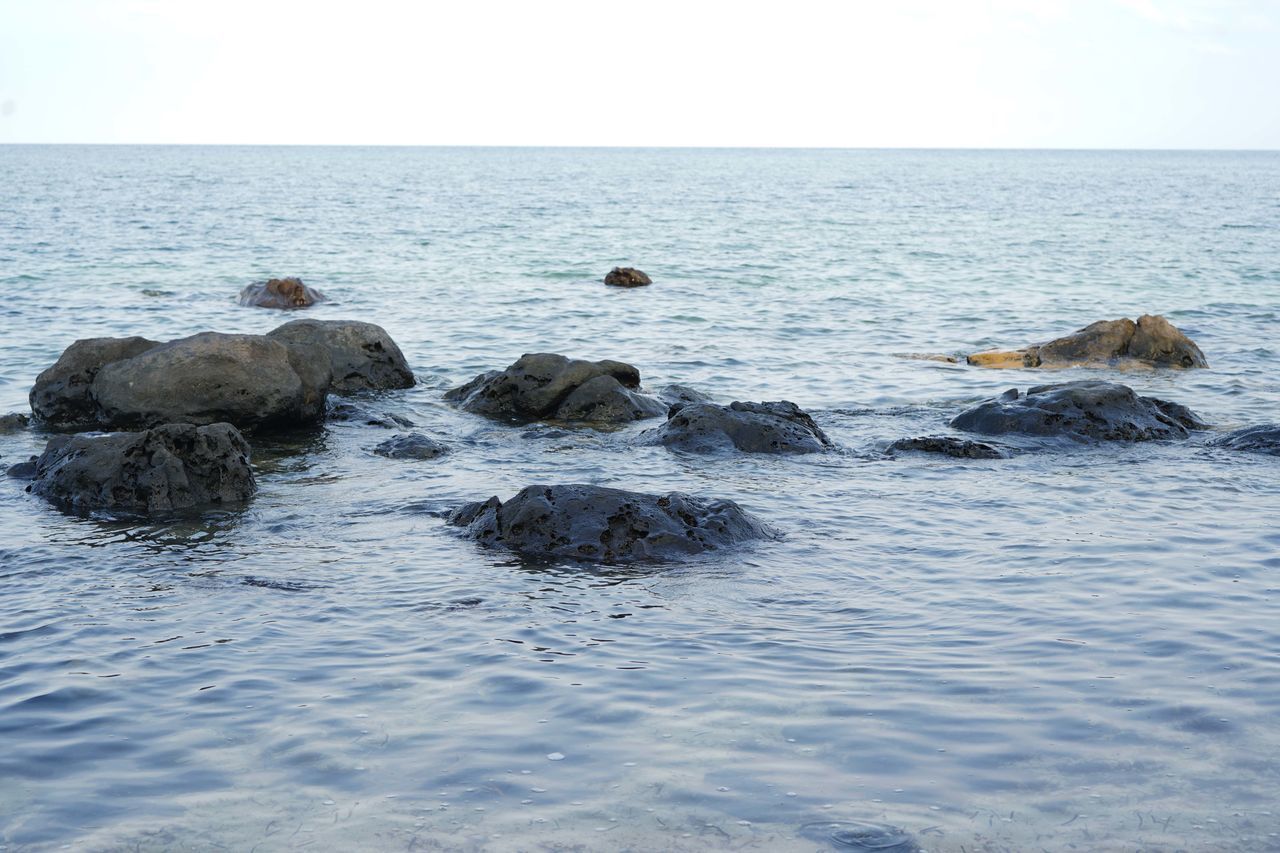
<point x="1077" y="646"/>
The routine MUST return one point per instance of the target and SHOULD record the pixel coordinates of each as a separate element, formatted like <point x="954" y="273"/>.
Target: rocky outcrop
<point x="545" y="386"/>
<point x="413" y="445"/>
<point x="1258" y="439"/>
<point x="1083" y="411"/>
<point x="626" y="277"/>
<point x="609" y="525"/>
<point x="1152" y="340"/>
<point x="362" y="356"/>
<point x="280" y="293"/>
<point x="948" y="445"/>
<point x="779" y="427"/>
<point x="175" y="466"/>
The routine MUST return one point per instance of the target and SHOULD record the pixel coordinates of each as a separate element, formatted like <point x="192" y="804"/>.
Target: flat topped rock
<point x="285" y="293"/>
<point x="626" y="277"/>
<point x="777" y="427"/>
<point x="609" y="525"/>
<point x="412" y="445"/>
<point x="175" y="466"/>
<point x="1257" y="439"/>
<point x="546" y="386"/>
<point x="1083" y="411"/>
<point x="1152" y="340"/>
<point x="948" y="445"/>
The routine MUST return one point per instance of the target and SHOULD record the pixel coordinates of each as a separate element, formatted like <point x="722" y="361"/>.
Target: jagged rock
<point x="949" y="445"/>
<point x="594" y="523"/>
<point x="1152" y="340"/>
<point x="174" y="466"/>
<point x="780" y="427"/>
<point x="280" y="293"/>
<point x="62" y="395"/>
<point x="1257" y="439"/>
<point x="1083" y="411"/>
<point x="626" y="277"/>
<point x="13" y="422"/>
<point x="545" y="386"/>
<point x="413" y="445"/>
<point x="362" y="356"/>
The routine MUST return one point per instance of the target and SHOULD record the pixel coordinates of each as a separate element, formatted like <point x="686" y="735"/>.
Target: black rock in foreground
<point x="610" y="525"/>
<point x="175" y="466"/>
<point x="779" y="427"/>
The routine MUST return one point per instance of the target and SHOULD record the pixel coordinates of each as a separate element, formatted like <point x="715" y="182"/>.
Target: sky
<point x="802" y="73"/>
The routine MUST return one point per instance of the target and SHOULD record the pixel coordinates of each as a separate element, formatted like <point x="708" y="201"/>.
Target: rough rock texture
<point x="345" y="411"/>
<point x="545" y="386"/>
<point x="611" y="525"/>
<point x="62" y="394"/>
<point x="626" y="277"/>
<point x="174" y="466"/>
<point x="413" y="445"/>
<point x="280" y="293"/>
<point x="949" y="445"/>
<point x="362" y="356"/>
<point x="1082" y="411"/>
<point x="1258" y="439"/>
<point x="1152" y="340"/>
<point x="780" y="427"/>
<point x="675" y="395"/>
<point x="14" y="422"/>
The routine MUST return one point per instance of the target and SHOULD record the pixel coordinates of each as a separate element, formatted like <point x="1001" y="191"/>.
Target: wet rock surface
<point x="13" y="422"/>
<point x="948" y="445"/>
<point x="285" y="293"/>
<point x="413" y="445"/>
<point x="546" y="386"/>
<point x="777" y="427"/>
<point x="174" y="466"/>
<point x="1152" y="340"/>
<point x="1257" y="439"/>
<point x="626" y="277"/>
<point x="362" y="356"/>
<point x="1083" y="411"/>
<point x="610" y="525"/>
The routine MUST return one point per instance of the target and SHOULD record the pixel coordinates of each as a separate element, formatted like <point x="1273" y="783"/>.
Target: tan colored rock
<point x="1152" y="341"/>
<point x="997" y="358"/>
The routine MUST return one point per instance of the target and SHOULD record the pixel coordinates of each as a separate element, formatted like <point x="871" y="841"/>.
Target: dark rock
<point x="23" y="470"/>
<point x="949" y="445"/>
<point x="346" y="411"/>
<point x="610" y="525"/>
<point x="679" y="395"/>
<point x="62" y="395"/>
<point x="175" y="466"/>
<point x="1258" y="439"/>
<point x="626" y="277"/>
<point x="1152" y="340"/>
<point x="362" y="356"/>
<point x="13" y="422"/>
<point x="280" y="293"/>
<point x="413" y="445"/>
<point x="544" y="386"/>
<point x="1082" y="411"/>
<point x="780" y="427"/>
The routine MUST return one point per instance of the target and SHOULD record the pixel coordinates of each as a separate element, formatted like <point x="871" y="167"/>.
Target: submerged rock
<point x="1257" y="439"/>
<point x="175" y="466"/>
<point x="1152" y="340"/>
<point x="14" y="422"/>
<point x="545" y="386"/>
<point x="345" y="411"/>
<point x="413" y="445"/>
<point x="626" y="277"/>
<point x="949" y="445"/>
<point x="23" y="470"/>
<point x="362" y="356"/>
<point x="1087" y="410"/>
<point x="674" y="395"/>
<point x="779" y="427"/>
<point x="611" y="525"/>
<point x="280" y="293"/>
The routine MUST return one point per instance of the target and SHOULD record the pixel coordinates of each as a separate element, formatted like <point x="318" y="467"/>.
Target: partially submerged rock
<point x="1083" y="411"/>
<point x="674" y="395"/>
<point x="1152" y="340"/>
<point x="611" y="525"/>
<point x="14" y="422"/>
<point x="1257" y="439"/>
<point x="948" y="445"/>
<point x="23" y="470"/>
<point x="280" y="293"/>
<point x="345" y="411"/>
<point x="63" y="393"/>
<point x="413" y="445"/>
<point x="175" y="466"/>
<point x="626" y="277"/>
<point x="362" y="356"/>
<point x="545" y="386"/>
<point x="778" y="427"/>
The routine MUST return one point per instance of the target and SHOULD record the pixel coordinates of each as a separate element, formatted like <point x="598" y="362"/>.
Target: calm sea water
<point x="1071" y="649"/>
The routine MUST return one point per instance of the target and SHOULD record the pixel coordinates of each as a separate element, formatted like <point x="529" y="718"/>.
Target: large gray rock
<point x="1082" y="411"/>
<point x="1152" y="340"/>
<point x="779" y="427"/>
<point x="545" y="386"/>
<point x="175" y="466"/>
<point x="286" y="293"/>
<point x="1258" y="439"/>
<point x="62" y="395"/>
<point x="362" y="356"/>
<point x="609" y="525"/>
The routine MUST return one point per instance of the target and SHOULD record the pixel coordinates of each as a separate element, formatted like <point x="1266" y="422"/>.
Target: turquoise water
<point x="1079" y="646"/>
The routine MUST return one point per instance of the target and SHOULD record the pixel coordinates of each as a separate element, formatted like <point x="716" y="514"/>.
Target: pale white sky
<point x="893" y="73"/>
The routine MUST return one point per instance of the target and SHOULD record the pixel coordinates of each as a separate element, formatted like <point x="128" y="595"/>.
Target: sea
<point x="1076" y="648"/>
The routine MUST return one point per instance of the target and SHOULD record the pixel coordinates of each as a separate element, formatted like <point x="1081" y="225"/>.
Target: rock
<point x="280" y="293"/>
<point x="62" y="394"/>
<point x="948" y="445"/>
<point x="1152" y="340"/>
<point x="610" y="525"/>
<point x="23" y="470"/>
<point x="545" y="386"/>
<point x="1258" y="439"/>
<point x="362" y="356"/>
<point x="13" y="422"/>
<point x="175" y="466"/>
<point x="780" y="427"/>
<point x="1083" y="411"/>
<point x="346" y="411"/>
<point x="626" y="277"/>
<point x="413" y="445"/>
<point x="927" y="356"/>
<point x="674" y="395"/>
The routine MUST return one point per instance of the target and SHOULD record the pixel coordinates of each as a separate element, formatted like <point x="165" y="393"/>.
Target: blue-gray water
<point x="1073" y="647"/>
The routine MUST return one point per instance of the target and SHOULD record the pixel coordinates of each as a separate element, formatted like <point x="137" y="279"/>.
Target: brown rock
<point x="280" y="293"/>
<point x="627" y="277"/>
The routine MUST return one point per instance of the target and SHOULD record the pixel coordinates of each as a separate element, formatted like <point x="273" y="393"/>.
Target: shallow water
<point x="1077" y="646"/>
